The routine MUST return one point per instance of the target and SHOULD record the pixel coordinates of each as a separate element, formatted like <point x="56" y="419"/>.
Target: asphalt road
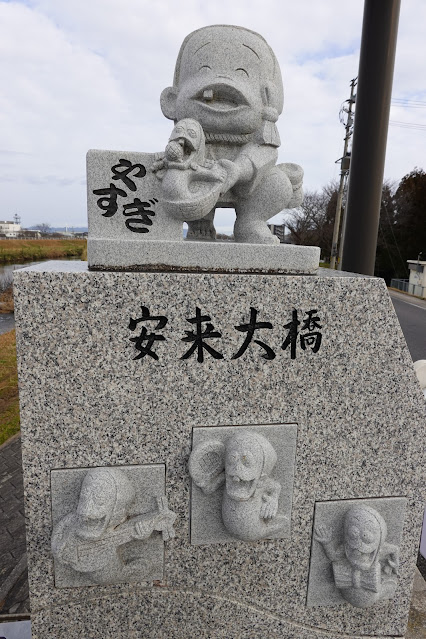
<point x="411" y="313"/>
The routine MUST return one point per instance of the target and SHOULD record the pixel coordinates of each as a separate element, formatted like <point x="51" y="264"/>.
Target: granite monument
<point x="212" y="434"/>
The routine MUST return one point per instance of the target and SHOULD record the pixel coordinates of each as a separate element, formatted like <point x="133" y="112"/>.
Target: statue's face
<point x="188" y="135"/>
<point x="95" y="506"/>
<point x="221" y="79"/>
<point x="362" y="540"/>
<point x="243" y="467"/>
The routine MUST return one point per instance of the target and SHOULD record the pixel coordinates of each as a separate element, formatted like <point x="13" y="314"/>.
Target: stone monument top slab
<point x="225" y="100"/>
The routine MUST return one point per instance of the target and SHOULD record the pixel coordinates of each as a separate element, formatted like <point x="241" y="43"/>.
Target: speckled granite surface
<point x="85" y="401"/>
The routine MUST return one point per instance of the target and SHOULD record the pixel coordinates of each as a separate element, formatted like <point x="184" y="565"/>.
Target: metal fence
<point x="412" y="289"/>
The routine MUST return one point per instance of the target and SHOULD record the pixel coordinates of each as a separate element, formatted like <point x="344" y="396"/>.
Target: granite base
<point x="91" y="395"/>
<point x="136" y="255"/>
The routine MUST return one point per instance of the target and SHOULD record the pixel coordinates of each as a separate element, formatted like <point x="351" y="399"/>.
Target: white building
<point x="417" y="281"/>
<point x="9" y="229"/>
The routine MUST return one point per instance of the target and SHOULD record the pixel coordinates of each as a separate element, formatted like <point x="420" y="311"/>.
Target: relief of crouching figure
<point x="241" y="467"/>
<point x="92" y="539"/>
<point x="364" y="564"/>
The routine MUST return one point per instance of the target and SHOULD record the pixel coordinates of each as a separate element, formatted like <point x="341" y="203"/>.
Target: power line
<point x="408" y="106"/>
<point x="408" y="125"/>
<point x="408" y="102"/>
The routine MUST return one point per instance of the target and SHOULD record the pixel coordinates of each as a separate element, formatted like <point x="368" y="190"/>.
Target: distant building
<point x="279" y="231"/>
<point x="417" y="281"/>
<point x="30" y="234"/>
<point x="9" y="229"/>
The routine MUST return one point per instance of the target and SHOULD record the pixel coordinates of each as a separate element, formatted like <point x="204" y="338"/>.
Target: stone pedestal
<point x="119" y="369"/>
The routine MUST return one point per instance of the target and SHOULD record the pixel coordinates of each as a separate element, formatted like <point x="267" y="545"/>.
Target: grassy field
<point x="33" y="250"/>
<point x="9" y="406"/>
<point x="6" y="300"/>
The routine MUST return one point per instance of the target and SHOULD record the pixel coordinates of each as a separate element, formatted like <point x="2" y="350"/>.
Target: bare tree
<point x="44" y="228"/>
<point x="311" y="224"/>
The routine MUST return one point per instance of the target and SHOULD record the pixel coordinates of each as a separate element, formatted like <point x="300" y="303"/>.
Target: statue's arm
<point x="390" y="559"/>
<point x="324" y="536"/>
<point x="252" y="160"/>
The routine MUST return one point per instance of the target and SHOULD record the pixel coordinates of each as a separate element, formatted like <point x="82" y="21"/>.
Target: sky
<point x="88" y="74"/>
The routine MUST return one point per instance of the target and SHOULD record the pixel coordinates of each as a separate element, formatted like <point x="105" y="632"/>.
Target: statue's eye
<point x="243" y="70"/>
<point x="192" y="133"/>
<point x="205" y="66"/>
<point x="247" y="459"/>
<point x="353" y="532"/>
<point x="368" y="536"/>
<point x="179" y="129"/>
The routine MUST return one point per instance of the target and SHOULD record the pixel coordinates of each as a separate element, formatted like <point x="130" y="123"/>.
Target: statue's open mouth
<point x="221" y="98"/>
<point x="187" y="145"/>
<point x="239" y="489"/>
<point x="90" y="528"/>
<point x="179" y="149"/>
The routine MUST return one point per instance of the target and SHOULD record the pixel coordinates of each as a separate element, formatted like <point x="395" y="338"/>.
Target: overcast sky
<point x="81" y="74"/>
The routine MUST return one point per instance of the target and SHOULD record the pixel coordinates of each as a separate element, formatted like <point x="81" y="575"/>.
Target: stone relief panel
<point x="109" y="524"/>
<point x="355" y="551"/>
<point x="242" y="482"/>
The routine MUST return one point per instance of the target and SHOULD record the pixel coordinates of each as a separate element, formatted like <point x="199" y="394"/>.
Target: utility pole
<point x="376" y="64"/>
<point x="344" y="170"/>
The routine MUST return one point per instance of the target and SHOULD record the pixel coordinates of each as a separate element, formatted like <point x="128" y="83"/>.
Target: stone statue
<point x="365" y="566"/>
<point x="243" y="464"/>
<point x="91" y="539"/>
<point x="228" y="80"/>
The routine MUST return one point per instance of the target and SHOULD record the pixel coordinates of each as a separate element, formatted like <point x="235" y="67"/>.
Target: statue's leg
<point x="202" y="230"/>
<point x="268" y="199"/>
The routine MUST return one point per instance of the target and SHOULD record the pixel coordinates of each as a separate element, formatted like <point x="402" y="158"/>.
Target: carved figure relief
<point x="228" y="80"/>
<point x="364" y="564"/>
<point x="239" y="468"/>
<point x="101" y="538"/>
<point x="191" y="183"/>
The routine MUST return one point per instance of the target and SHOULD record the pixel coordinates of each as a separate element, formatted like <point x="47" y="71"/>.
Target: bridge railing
<point x="412" y="289"/>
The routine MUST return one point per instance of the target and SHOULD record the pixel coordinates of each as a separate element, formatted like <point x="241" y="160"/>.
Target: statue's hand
<point x="392" y="562"/>
<point x="269" y="507"/>
<point x="158" y="163"/>
<point x="232" y="175"/>
<point x="322" y="534"/>
<point x="143" y="529"/>
<point x="164" y="523"/>
<point x="216" y="173"/>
